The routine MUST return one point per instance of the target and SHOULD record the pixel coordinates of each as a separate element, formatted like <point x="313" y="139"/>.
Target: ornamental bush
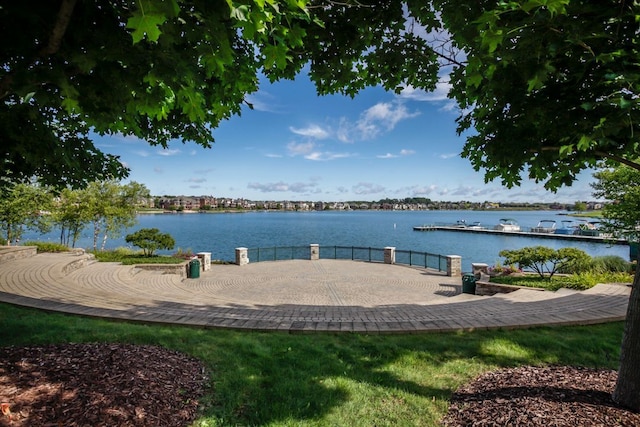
<point x="150" y="240"/>
<point x="544" y="260"/>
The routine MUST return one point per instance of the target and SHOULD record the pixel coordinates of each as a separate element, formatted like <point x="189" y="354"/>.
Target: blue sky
<point x="295" y="146"/>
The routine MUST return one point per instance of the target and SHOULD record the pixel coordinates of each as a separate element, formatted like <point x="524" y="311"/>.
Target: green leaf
<point x="240" y="13"/>
<point x="565" y="150"/>
<point x="145" y="25"/>
<point x="584" y="143"/>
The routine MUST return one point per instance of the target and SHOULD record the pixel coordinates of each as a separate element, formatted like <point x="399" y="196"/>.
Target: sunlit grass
<point x="279" y="379"/>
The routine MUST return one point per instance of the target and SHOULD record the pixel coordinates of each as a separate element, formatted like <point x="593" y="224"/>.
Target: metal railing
<point x="355" y="253"/>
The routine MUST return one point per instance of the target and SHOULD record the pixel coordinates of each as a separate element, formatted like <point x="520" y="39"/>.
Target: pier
<point x="482" y="230"/>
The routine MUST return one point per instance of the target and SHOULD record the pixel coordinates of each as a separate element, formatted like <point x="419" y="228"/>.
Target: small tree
<point x="150" y="240"/>
<point x="21" y="207"/>
<point x="542" y="259"/>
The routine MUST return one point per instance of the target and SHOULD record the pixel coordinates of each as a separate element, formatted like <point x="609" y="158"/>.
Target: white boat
<point x="507" y="224"/>
<point x="545" y="226"/>
<point x="476" y="226"/>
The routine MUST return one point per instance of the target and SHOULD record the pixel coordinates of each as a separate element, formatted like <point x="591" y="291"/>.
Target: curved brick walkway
<point x="295" y="296"/>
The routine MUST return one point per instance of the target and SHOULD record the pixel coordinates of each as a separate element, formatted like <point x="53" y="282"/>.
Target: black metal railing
<point x="355" y="253"/>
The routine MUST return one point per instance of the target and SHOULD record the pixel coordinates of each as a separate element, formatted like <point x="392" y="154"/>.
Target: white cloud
<point x="300" y="148"/>
<point x="273" y="156"/>
<point x="448" y="155"/>
<point x="323" y="156"/>
<point x="169" y="152"/>
<point x="142" y="153"/>
<point x="363" y="188"/>
<point x="402" y="152"/>
<point x="382" y="116"/>
<point x="296" y="187"/>
<point x="418" y="191"/>
<point x="374" y="121"/>
<point x="312" y="131"/>
<point x="308" y="151"/>
<point x="262" y="101"/>
<point x="204" y="171"/>
<point x="197" y="180"/>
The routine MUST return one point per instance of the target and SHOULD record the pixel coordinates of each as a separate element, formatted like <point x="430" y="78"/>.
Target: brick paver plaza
<point x="295" y="296"/>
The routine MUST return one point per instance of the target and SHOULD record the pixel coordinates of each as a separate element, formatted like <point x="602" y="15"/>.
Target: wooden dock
<point x="481" y="230"/>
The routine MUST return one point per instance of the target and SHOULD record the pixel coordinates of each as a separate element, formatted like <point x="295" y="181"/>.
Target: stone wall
<point x="488" y="288"/>
<point x="82" y="261"/>
<point x="9" y="253"/>
<point x="179" y="269"/>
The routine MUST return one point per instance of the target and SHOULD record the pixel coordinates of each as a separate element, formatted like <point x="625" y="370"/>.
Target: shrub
<point x="544" y="260"/>
<point x="610" y="263"/>
<point x="184" y="254"/>
<point x="150" y="240"/>
<point x="500" y="270"/>
<point x="47" y="246"/>
<point x="575" y="281"/>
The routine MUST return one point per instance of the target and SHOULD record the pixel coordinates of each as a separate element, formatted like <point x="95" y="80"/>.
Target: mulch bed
<point x="99" y="385"/>
<point x="550" y="396"/>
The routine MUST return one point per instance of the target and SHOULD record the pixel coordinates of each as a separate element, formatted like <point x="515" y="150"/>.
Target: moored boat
<point x="545" y="226"/>
<point x="507" y="224"/>
<point x="567" y="227"/>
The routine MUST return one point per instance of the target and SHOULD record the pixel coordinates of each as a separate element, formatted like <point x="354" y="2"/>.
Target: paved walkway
<point x="294" y="296"/>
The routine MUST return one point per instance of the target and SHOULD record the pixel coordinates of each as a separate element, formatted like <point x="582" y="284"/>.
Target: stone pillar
<point x="205" y="260"/>
<point x="454" y="265"/>
<point x="314" y="252"/>
<point x="389" y="255"/>
<point x="478" y="269"/>
<point x="242" y="256"/>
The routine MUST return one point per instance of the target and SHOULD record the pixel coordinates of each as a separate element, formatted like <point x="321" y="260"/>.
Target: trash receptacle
<point x="194" y="268"/>
<point x="469" y="284"/>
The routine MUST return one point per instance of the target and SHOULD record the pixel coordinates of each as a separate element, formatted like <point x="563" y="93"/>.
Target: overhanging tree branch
<point x="53" y="44"/>
<point x="60" y="27"/>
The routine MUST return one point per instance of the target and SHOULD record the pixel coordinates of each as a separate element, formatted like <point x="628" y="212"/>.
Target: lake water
<point x="222" y="233"/>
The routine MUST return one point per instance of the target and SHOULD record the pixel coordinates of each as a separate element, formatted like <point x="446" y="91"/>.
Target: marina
<point x="537" y="232"/>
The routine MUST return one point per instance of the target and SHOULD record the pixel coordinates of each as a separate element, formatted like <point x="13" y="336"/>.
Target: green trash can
<point x="194" y="269"/>
<point x="469" y="284"/>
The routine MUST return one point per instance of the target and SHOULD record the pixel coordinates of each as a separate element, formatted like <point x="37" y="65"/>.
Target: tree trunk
<point x="104" y="241"/>
<point x="627" y="391"/>
<point x="96" y="233"/>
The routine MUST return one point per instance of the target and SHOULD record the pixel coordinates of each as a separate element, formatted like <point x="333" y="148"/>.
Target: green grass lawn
<point x="280" y="379"/>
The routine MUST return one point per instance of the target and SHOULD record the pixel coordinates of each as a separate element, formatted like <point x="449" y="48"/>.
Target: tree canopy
<point x="620" y="185"/>
<point x="548" y="87"/>
<point x="161" y="70"/>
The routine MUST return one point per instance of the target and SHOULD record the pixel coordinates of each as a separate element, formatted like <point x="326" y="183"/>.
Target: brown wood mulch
<point x="98" y="385"/>
<point x="551" y="396"/>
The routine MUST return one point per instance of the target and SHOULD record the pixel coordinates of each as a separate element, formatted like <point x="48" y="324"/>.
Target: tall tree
<point x="71" y="214"/>
<point x="112" y="207"/>
<point x="166" y="69"/>
<point x="621" y="186"/>
<point x="550" y="88"/>
<point x="22" y="207"/>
